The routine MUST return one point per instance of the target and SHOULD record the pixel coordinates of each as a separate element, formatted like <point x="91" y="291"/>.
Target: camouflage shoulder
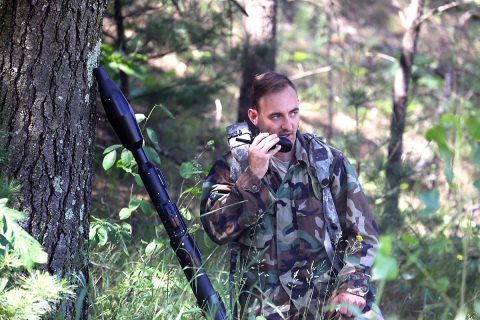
<point x="219" y="173"/>
<point x="340" y="162"/>
<point x="336" y="152"/>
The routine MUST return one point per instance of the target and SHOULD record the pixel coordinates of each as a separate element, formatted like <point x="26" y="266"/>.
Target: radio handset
<point x="284" y="143"/>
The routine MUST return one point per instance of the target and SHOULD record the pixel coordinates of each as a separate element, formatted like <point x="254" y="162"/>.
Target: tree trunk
<point x="121" y="45"/>
<point x="330" y="98"/>
<point x="392" y="217"/>
<point x="48" y="50"/>
<point x="260" y="46"/>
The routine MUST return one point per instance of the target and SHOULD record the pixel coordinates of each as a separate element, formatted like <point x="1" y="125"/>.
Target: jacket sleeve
<point x="228" y="207"/>
<point x="360" y="231"/>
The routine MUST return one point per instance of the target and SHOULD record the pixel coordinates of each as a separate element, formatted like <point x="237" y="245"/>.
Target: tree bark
<point x="48" y="50"/>
<point x="392" y="217"/>
<point x="260" y="47"/>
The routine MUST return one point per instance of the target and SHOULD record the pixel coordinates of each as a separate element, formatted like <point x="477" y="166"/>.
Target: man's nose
<point x="287" y="124"/>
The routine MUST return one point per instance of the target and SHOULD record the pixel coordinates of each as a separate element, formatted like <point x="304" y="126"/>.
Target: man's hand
<point x="259" y="154"/>
<point x="346" y="300"/>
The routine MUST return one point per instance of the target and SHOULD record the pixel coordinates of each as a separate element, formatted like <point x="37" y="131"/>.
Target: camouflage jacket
<point x="278" y="225"/>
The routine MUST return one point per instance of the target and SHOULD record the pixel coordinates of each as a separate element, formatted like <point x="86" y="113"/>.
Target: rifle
<point x="121" y="117"/>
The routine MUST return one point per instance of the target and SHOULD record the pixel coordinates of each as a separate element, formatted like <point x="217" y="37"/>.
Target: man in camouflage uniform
<point x="271" y="213"/>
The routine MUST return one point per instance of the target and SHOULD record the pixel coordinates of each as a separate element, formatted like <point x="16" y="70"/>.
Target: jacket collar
<point x="301" y="153"/>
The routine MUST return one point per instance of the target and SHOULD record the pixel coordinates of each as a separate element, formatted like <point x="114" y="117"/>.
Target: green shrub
<point x="25" y="293"/>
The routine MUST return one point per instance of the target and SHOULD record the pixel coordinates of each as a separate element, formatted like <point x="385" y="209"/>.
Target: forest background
<point x="395" y="85"/>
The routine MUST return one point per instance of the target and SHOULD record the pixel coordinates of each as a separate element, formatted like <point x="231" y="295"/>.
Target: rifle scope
<point x="121" y="117"/>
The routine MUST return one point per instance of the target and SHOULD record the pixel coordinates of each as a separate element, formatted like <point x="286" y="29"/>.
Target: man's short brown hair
<point x="266" y="83"/>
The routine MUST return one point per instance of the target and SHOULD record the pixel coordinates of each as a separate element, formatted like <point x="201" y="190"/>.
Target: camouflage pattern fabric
<point x="320" y="157"/>
<point x="278" y="225"/>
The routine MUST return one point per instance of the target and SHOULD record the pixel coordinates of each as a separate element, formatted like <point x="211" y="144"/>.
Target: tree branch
<point x="440" y="9"/>
<point x="242" y="9"/>
<point x="311" y="72"/>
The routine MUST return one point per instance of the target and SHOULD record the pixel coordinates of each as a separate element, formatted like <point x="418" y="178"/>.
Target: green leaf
<point x="42" y="257"/>
<point x="24" y="246"/>
<point x="124" y="168"/>
<point x="385" y="266"/>
<point x="152" y="155"/>
<point x="153" y="247"/>
<point x="153" y="137"/>
<point x="473" y="127"/>
<point x="93" y="231"/>
<point x="448" y="120"/>
<point x="134" y="203"/>
<point x="186" y="214"/>
<point x="126" y="227"/>
<point x="186" y="170"/>
<point x="385" y="245"/>
<point x="127" y="159"/>
<point x="445" y="153"/>
<point x="125" y="213"/>
<point x="28" y="249"/>
<point x="140" y="117"/>
<point x="300" y="56"/>
<point x="448" y="170"/>
<point x="109" y="160"/>
<point x="138" y="180"/>
<point x="113" y="65"/>
<point x="145" y="206"/>
<point x="111" y="148"/>
<point x="165" y="109"/>
<point x="150" y="249"/>
<point x="102" y="236"/>
<point x="106" y="49"/>
<point x="436" y="134"/>
<point x="126" y="68"/>
<point x="430" y="199"/>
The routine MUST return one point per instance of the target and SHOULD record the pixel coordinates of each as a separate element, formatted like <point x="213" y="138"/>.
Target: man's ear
<point x="253" y="116"/>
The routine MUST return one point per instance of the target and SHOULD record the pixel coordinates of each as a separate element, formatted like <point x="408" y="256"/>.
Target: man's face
<point x="278" y="113"/>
